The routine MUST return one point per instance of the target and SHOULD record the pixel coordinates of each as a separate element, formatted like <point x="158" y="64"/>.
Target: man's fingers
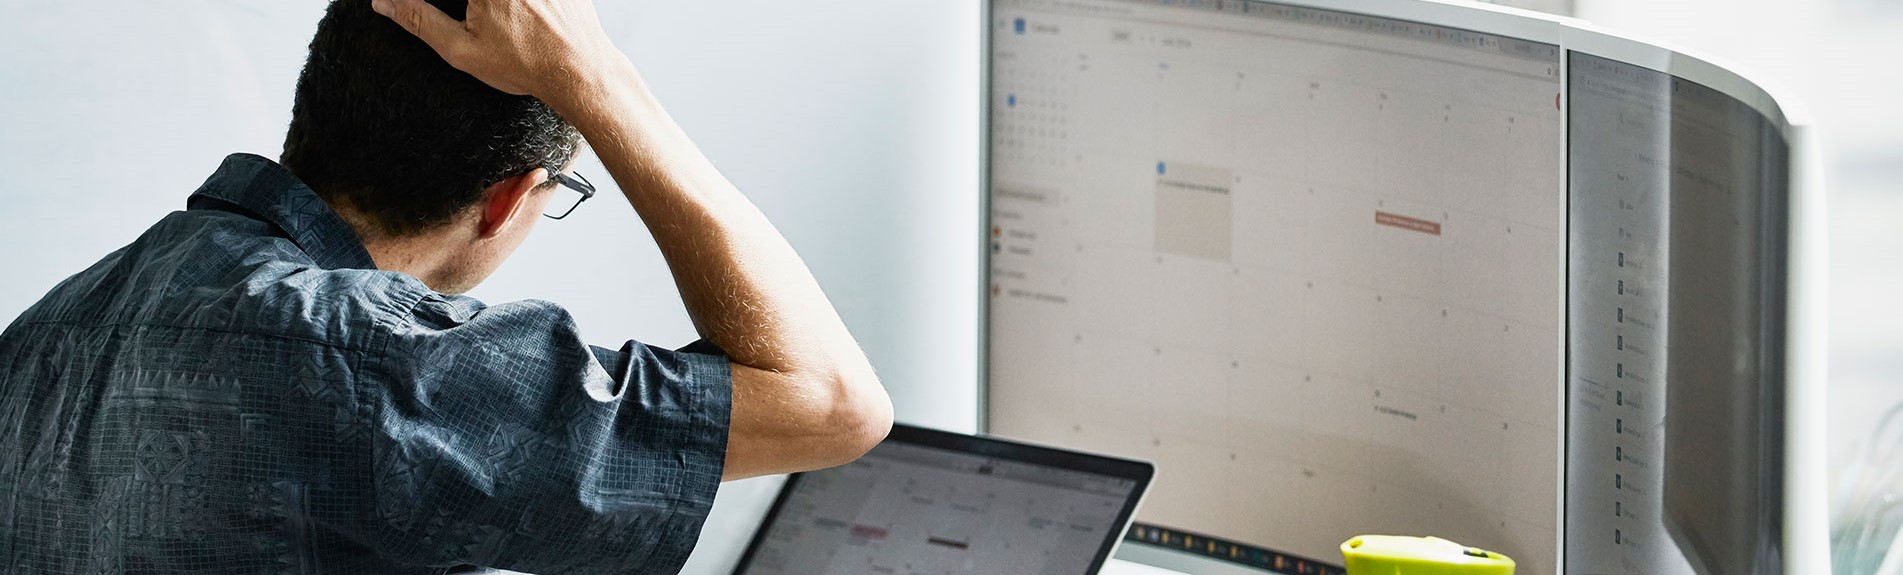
<point x="425" y="21"/>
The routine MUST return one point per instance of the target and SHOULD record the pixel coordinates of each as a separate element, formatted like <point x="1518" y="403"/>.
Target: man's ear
<point x="509" y="202"/>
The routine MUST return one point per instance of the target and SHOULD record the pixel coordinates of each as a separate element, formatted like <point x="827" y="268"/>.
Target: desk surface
<point x="1121" y="567"/>
<point x="1140" y="559"/>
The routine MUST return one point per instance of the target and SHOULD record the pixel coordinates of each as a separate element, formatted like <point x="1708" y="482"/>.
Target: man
<point x="283" y="377"/>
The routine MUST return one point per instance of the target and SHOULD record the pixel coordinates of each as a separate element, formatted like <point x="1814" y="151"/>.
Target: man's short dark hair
<point x="382" y="123"/>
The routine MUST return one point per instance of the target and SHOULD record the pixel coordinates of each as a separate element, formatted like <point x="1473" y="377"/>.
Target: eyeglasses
<point x="573" y="182"/>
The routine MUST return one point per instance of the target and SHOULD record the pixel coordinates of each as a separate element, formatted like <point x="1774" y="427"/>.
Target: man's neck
<point x="421" y="255"/>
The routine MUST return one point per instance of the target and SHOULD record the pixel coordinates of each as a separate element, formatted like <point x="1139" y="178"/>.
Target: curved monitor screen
<point x="1309" y="262"/>
<point x="1330" y="273"/>
<point x="1676" y="323"/>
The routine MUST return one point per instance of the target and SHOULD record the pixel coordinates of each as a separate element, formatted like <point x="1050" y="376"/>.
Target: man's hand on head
<point x="804" y="394"/>
<point x="549" y="49"/>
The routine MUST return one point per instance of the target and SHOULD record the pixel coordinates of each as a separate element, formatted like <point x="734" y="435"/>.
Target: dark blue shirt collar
<point x="257" y="187"/>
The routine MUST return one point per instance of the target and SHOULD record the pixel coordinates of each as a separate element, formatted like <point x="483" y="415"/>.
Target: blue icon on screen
<point x="1011" y="100"/>
<point x="1162" y="168"/>
<point x="1018" y="25"/>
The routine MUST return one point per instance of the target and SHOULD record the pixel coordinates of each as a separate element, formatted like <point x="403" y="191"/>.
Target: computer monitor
<point x="1307" y="261"/>
<point x="1343" y="267"/>
<point x="1680" y="204"/>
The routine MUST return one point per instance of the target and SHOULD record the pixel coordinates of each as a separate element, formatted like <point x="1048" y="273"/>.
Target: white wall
<point x="852" y="123"/>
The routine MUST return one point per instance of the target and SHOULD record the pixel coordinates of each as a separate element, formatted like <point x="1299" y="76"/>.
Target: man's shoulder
<point x="221" y="271"/>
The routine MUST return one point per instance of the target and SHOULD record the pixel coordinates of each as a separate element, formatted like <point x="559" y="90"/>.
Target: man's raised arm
<point x="804" y="395"/>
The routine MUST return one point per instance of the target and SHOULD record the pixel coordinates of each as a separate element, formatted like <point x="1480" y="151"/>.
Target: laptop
<point x="932" y="502"/>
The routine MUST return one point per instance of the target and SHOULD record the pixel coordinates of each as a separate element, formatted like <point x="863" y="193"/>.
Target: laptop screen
<point x="910" y="507"/>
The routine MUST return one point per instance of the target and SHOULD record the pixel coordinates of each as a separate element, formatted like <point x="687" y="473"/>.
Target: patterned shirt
<point x="240" y="390"/>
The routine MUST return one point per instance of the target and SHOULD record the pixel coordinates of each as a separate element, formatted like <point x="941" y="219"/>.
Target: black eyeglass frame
<point x="574" y="182"/>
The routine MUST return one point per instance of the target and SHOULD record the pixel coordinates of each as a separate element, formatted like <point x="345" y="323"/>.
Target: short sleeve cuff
<point x="687" y="399"/>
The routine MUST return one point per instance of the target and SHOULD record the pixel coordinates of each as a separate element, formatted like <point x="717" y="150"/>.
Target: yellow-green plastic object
<point x="1390" y="555"/>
